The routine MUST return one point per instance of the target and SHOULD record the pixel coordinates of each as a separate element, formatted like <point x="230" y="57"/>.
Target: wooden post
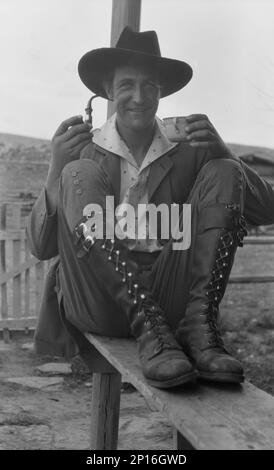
<point x="15" y="223"/>
<point x="4" y="294"/>
<point x="27" y="282"/>
<point x="124" y="13"/>
<point x="105" y="410"/>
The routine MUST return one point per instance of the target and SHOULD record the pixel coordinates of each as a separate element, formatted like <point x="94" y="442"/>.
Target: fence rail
<point x="22" y="275"/>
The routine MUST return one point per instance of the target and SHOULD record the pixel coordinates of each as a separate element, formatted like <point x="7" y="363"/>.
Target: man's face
<point x="136" y="94"/>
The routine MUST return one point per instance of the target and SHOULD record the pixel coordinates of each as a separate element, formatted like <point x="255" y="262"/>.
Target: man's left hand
<point x="202" y="134"/>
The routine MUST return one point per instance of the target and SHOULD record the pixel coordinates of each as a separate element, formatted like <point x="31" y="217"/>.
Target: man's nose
<point x="138" y="94"/>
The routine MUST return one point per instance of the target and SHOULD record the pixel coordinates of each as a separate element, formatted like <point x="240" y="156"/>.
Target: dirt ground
<point x="57" y="416"/>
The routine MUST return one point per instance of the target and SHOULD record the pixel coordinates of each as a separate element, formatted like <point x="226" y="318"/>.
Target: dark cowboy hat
<point x="133" y="48"/>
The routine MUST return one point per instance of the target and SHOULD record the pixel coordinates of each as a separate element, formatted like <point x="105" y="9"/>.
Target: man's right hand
<point x="71" y="137"/>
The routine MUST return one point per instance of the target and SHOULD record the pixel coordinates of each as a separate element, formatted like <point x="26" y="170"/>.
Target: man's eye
<point x="151" y="87"/>
<point x="125" y="86"/>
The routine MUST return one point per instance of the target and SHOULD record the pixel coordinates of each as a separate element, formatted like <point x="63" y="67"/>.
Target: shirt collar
<point x="109" y="139"/>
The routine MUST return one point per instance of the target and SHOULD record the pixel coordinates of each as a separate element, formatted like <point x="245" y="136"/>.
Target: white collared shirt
<point x="134" y="189"/>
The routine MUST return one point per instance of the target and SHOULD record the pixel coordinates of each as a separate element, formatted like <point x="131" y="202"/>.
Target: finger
<point x="77" y="140"/>
<point x="196" y="117"/>
<point x="204" y="135"/>
<point x="202" y="144"/>
<point x="85" y="141"/>
<point x="67" y="123"/>
<point x="78" y="148"/>
<point x="75" y="130"/>
<point x="198" y="125"/>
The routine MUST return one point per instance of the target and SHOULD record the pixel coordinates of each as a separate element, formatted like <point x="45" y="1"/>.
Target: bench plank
<point x="207" y="416"/>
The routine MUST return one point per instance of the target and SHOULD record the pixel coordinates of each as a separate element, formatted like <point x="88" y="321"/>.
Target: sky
<point x="228" y="43"/>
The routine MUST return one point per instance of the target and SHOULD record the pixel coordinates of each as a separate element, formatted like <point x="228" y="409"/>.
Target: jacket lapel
<point x="111" y="165"/>
<point x="158" y="171"/>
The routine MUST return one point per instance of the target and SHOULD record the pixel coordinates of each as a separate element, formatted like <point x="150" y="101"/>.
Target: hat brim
<point x="95" y="66"/>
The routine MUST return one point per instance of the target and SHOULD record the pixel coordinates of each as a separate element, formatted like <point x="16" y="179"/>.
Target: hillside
<point x="263" y="152"/>
<point x="23" y="149"/>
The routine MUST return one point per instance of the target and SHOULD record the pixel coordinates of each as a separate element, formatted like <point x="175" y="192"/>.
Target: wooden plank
<point x="39" y="278"/>
<point x="124" y="13"/>
<point x="208" y="417"/>
<point x="12" y="235"/>
<point x="16" y="284"/>
<point x="4" y="293"/>
<point x="18" y="323"/>
<point x="4" y="278"/>
<point x="260" y="240"/>
<point x="27" y="281"/>
<point x="106" y="390"/>
<point x="14" y="215"/>
<point x="13" y="219"/>
<point x="242" y="279"/>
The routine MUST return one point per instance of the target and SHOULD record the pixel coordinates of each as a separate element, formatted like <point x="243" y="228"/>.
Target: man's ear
<point x="108" y="89"/>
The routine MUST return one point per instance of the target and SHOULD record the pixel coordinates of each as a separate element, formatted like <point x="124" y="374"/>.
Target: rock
<point x="55" y="368"/>
<point x="88" y="384"/>
<point x="136" y="432"/>
<point x="27" y="346"/>
<point x="25" y="437"/>
<point x="35" y="382"/>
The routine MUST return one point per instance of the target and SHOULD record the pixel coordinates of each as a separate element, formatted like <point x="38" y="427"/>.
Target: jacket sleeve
<point x="259" y="203"/>
<point x="42" y="229"/>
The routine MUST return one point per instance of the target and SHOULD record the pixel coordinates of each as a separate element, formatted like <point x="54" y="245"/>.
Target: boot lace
<point x="228" y="242"/>
<point x="154" y="316"/>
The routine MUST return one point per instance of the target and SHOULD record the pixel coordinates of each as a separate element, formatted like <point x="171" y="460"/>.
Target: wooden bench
<point x="223" y="417"/>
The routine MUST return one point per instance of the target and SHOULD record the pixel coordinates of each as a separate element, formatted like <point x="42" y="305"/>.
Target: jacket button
<point x="74" y="173"/>
<point x="76" y="182"/>
<point x="79" y="191"/>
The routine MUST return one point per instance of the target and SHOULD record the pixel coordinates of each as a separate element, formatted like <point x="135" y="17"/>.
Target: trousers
<point x="168" y="273"/>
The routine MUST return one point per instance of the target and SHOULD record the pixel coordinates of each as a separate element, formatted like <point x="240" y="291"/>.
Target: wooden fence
<point x="22" y="275"/>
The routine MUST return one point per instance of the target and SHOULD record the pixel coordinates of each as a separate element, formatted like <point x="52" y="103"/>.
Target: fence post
<point x="4" y="296"/>
<point x="15" y="211"/>
<point x="27" y="282"/>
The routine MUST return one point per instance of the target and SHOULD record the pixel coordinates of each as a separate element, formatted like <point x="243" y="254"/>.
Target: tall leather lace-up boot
<point x="163" y="362"/>
<point x="199" y="331"/>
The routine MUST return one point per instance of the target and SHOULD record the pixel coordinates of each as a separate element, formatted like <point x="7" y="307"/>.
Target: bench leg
<point x="180" y="442"/>
<point x="106" y="390"/>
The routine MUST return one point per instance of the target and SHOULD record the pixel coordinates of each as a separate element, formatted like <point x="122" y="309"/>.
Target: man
<point x="169" y="300"/>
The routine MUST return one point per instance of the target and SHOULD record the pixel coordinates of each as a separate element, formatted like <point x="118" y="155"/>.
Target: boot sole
<point x="219" y="377"/>
<point x="190" y="377"/>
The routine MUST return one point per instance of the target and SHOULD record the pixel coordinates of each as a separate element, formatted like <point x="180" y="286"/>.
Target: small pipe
<point x="88" y="111"/>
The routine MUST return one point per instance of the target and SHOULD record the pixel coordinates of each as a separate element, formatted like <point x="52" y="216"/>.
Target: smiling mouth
<point x="137" y="110"/>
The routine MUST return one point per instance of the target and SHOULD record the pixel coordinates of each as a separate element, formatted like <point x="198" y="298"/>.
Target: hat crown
<point x="145" y="42"/>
